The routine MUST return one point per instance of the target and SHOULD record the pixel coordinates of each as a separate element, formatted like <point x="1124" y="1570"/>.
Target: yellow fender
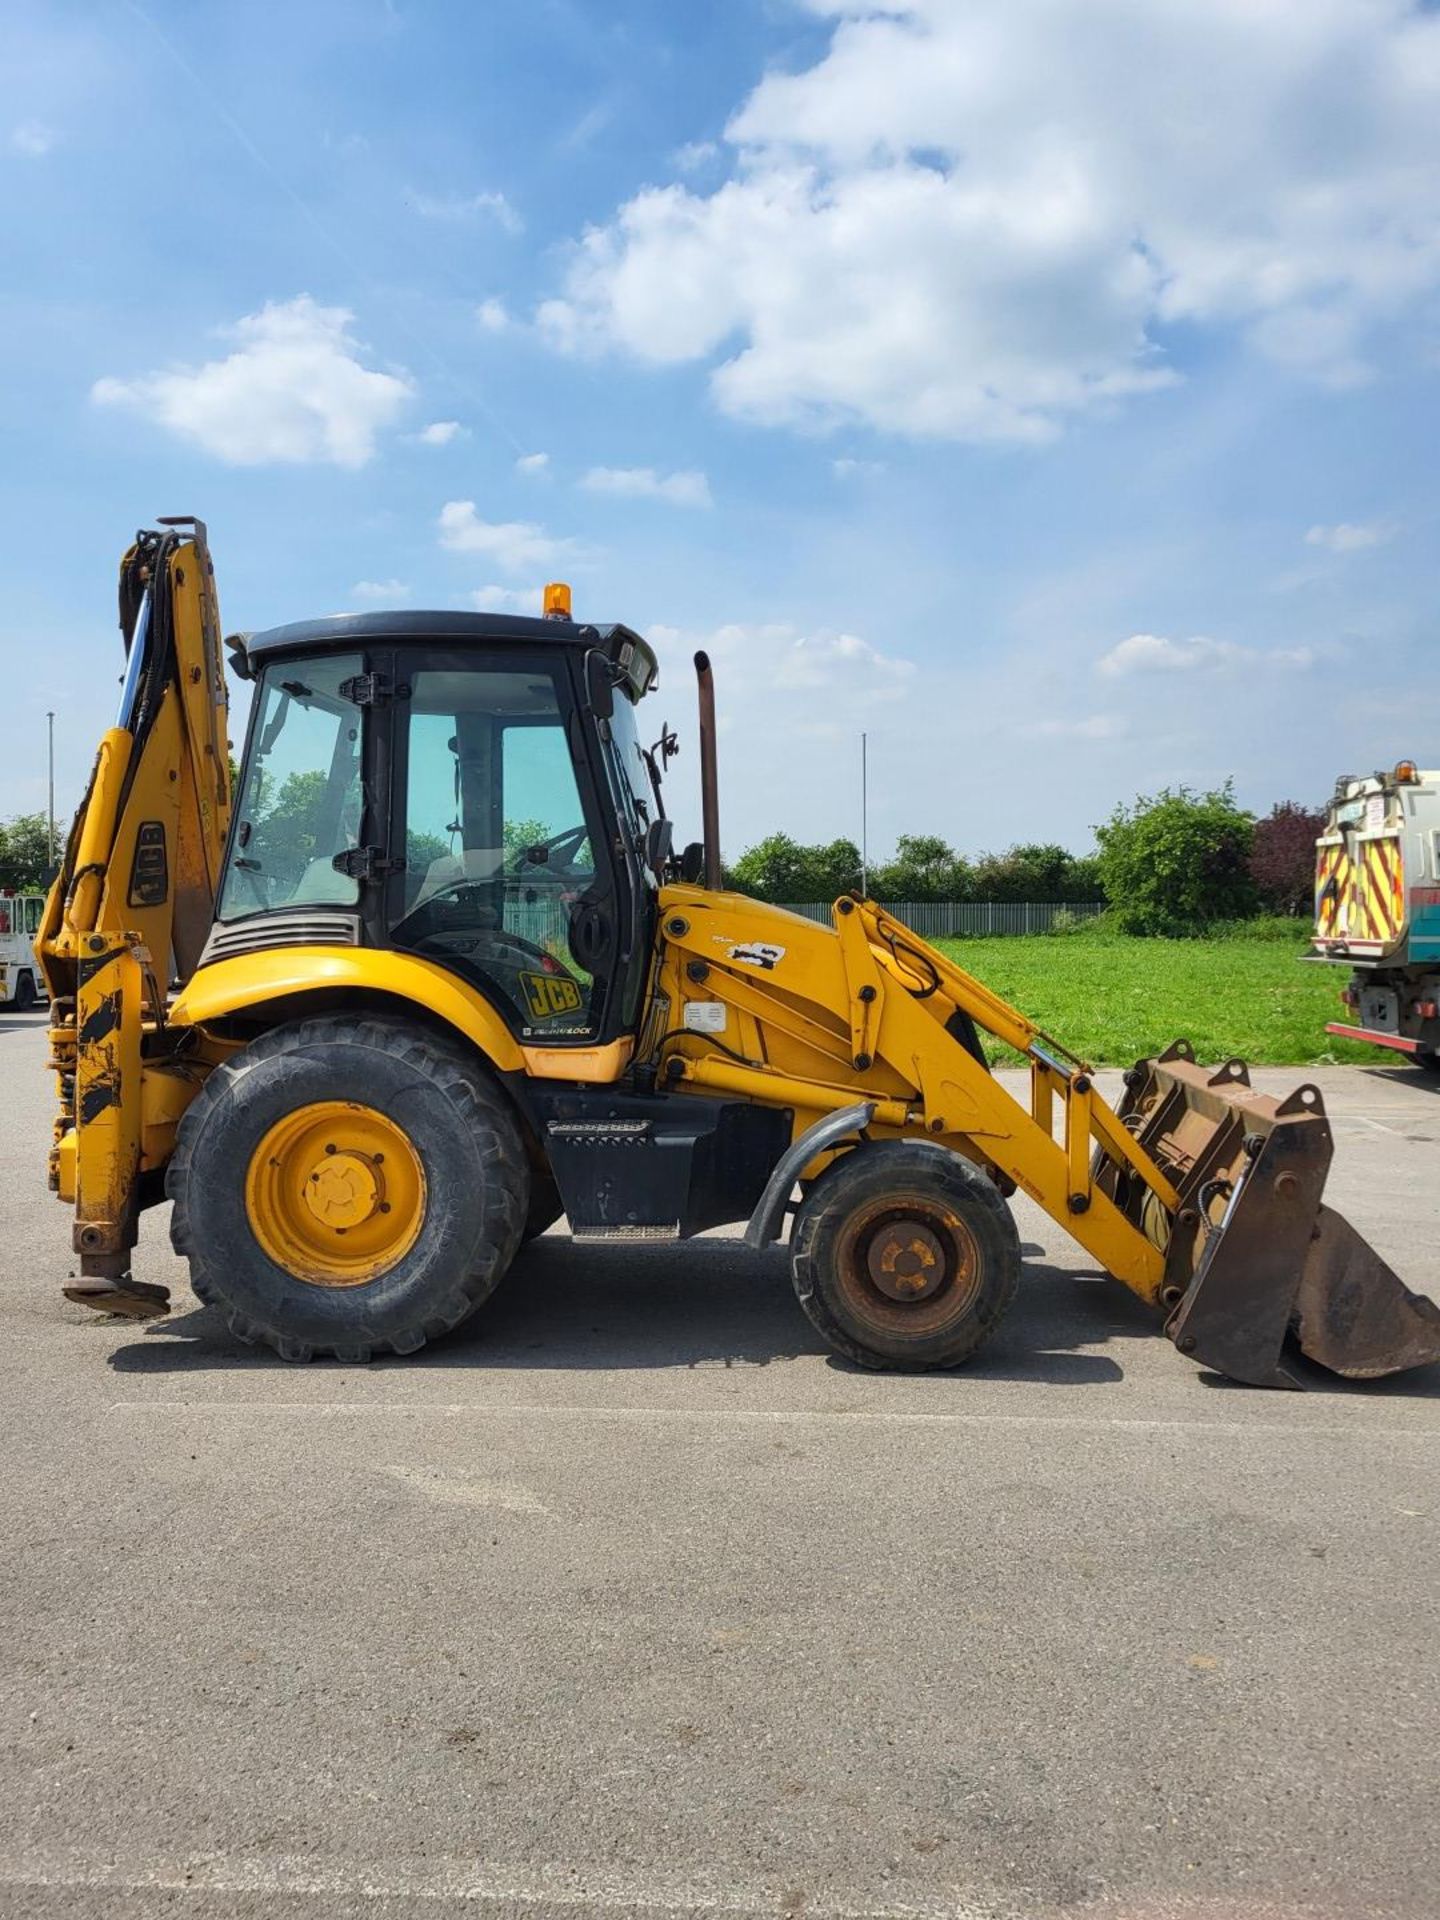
<point x="282" y="973"/>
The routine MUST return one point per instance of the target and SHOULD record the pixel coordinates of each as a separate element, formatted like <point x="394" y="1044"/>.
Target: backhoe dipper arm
<point x="132" y="904"/>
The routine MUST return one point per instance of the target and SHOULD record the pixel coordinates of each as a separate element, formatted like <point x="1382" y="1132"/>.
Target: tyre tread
<point x="463" y="1081"/>
<point x="826" y="1195"/>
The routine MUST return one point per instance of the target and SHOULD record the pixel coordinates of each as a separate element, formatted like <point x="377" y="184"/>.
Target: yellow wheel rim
<point x="335" y="1193"/>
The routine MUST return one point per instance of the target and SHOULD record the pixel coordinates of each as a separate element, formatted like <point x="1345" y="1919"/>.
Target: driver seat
<point x="471" y="863"/>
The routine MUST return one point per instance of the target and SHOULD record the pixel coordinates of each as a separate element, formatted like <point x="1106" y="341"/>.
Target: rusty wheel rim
<point x="909" y="1264"/>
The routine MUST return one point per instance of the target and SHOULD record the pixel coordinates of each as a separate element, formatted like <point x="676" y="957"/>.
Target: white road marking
<point x="1376" y="1126"/>
<point x="458" y="1491"/>
<point x="475" y="1881"/>
<point x="457" y="1409"/>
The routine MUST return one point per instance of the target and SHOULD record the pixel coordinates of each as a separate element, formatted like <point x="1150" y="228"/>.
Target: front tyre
<point x="347" y="1187"/>
<point x="904" y="1256"/>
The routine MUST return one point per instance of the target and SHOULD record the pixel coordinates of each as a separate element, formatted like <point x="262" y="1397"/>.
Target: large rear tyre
<point x="347" y="1187"/>
<point x="904" y="1256"/>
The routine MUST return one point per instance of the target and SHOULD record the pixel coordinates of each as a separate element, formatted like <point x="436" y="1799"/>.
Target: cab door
<point x="509" y="877"/>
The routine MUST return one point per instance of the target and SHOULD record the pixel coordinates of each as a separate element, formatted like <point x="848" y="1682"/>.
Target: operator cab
<point x="470" y="788"/>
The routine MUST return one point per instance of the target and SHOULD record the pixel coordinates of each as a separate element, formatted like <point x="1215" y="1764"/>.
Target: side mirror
<point x="659" y="838"/>
<point x="599" y="684"/>
<point x="592" y="933"/>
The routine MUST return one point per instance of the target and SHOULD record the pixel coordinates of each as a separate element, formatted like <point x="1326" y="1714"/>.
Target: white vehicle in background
<point x="22" y="985"/>
<point x="1377" y="908"/>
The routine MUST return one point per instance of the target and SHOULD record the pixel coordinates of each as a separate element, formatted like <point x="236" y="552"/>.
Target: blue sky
<point x="1048" y="388"/>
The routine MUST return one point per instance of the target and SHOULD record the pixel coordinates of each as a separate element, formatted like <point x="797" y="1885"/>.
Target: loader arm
<point x="1202" y="1196"/>
<point x="132" y="903"/>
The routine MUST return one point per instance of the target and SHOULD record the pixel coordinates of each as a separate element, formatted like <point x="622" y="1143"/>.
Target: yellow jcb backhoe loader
<point x="443" y="977"/>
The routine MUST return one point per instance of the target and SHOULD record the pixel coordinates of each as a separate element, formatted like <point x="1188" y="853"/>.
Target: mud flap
<point x="1255" y="1264"/>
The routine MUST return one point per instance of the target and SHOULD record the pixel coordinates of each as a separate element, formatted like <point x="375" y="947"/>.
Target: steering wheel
<point x="566" y="844"/>
<point x="436" y="942"/>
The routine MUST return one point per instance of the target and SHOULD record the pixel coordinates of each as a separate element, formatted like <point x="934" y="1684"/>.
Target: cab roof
<point x="623" y="645"/>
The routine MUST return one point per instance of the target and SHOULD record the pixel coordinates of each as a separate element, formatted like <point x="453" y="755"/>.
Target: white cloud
<point x="813" y="661"/>
<point x="971" y="222"/>
<point x="688" y="488"/>
<point x="532" y="463"/>
<point x="506" y="600"/>
<point x="1156" y="653"/>
<point x="388" y="590"/>
<point x="492" y="316"/>
<point x="776" y="657"/>
<point x="1350" y="538"/>
<point x="515" y="545"/>
<point x="1094" y="726"/>
<point x="848" y="469"/>
<point x="33" y="139"/>
<point x="294" y="390"/>
<point x="694" y="155"/>
<point x="467" y="206"/>
<point x="439" y="433"/>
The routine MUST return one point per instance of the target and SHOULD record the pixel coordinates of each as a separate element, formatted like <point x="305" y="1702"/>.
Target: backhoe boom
<point x="132" y="905"/>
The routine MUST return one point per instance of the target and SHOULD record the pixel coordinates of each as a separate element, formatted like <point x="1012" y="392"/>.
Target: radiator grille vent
<point x="303" y="927"/>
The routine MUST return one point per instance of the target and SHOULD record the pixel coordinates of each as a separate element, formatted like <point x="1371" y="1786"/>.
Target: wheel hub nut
<point x="344" y="1190"/>
<point x="906" y="1261"/>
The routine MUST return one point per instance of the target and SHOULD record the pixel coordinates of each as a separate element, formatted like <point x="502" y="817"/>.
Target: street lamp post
<point x="864" y="820"/>
<point x="50" y="807"/>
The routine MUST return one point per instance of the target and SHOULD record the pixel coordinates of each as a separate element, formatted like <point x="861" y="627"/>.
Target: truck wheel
<point x="904" y="1256"/>
<point x="347" y="1186"/>
<point x="25" y="995"/>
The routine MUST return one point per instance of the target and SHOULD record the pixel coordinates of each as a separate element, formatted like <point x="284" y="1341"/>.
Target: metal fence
<point x="949" y="919"/>
<point x="544" y="922"/>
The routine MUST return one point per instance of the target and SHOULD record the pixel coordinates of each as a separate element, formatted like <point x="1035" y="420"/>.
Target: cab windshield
<point x="302" y="800"/>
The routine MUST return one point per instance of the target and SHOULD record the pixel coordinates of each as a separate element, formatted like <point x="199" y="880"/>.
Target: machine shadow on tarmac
<point x="24" y="1022"/>
<point x="700" y="1305"/>
<point x="704" y="1305"/>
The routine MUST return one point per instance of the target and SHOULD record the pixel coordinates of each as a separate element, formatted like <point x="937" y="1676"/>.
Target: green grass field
<point x="1113" y="1000"/>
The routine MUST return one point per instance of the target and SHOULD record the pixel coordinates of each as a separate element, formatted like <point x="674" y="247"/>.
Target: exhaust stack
<point x="709" y="789"/>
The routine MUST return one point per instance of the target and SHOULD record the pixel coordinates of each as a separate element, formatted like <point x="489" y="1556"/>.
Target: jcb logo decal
<point x="547" y="994"/>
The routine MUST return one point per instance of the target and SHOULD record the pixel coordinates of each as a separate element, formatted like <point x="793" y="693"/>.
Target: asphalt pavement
<point x="630" y="1600"/>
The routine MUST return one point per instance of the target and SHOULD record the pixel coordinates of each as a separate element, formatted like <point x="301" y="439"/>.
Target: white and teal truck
<point x="22" y="984"/>
<point x="1377" y="908"/>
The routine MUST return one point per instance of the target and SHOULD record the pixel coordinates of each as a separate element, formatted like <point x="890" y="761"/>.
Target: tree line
<point x="1172" y="862"/>
<point x="924" y="867"/>
<point x="25" y="859"/>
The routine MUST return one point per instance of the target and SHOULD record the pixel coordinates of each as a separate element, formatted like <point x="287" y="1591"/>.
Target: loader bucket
<point x="1255" y="1265"/>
